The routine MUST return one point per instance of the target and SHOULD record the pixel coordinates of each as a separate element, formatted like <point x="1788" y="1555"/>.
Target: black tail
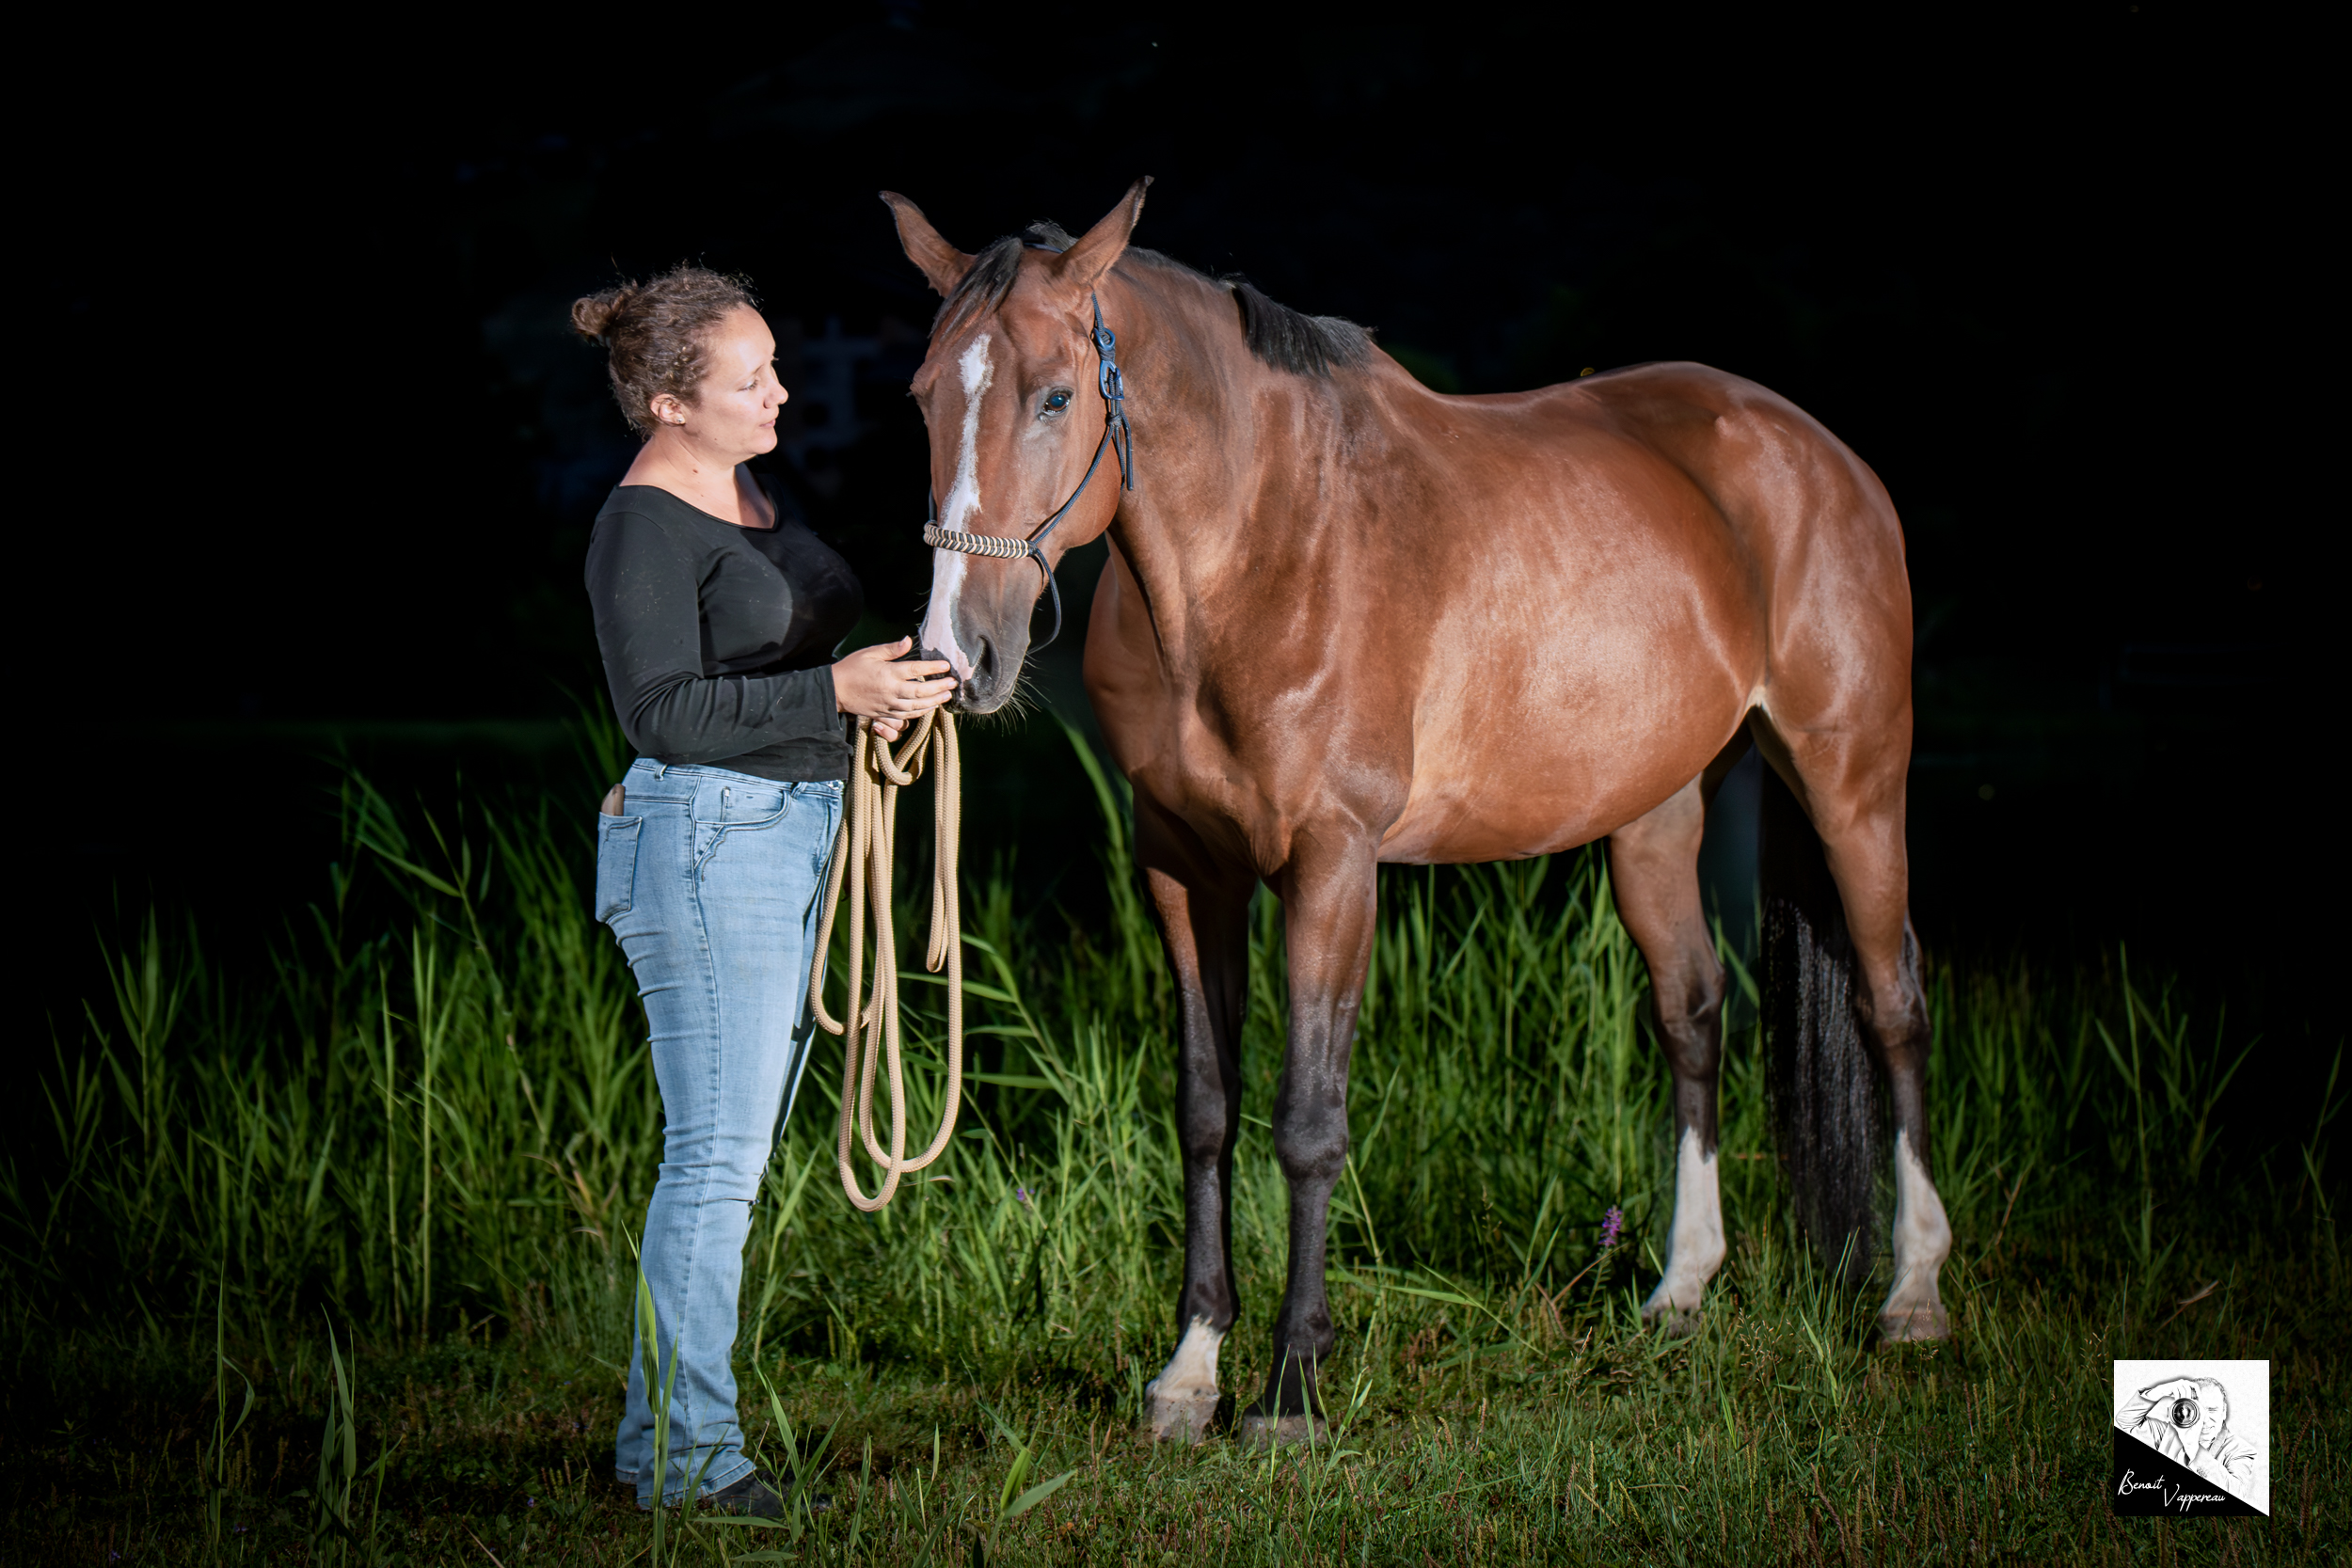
<point x="1824" y="1102"/>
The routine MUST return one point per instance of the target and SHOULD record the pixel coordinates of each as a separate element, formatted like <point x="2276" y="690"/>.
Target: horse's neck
<point x="1201" y="515"/>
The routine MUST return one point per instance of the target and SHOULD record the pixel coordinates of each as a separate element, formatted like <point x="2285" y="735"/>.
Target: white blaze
<point x="1696" y="1250"/>
<point x="939" y="625"/>
<point x="963" y="498"/>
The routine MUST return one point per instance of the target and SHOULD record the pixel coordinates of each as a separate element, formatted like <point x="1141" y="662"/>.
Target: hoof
<point x="1260" y="1430"/>
<point x="1928" y="1320"/>
<point x="1186" y="1418"/>
<point x="1182" y="1404"/>
<point x="1680" y="1321"/>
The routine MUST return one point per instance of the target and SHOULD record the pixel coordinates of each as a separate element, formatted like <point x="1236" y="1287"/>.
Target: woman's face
<point x="734" y="412"/>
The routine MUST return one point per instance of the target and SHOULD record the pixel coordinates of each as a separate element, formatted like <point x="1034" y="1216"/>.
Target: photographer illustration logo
<point x="2192" y="1439"/>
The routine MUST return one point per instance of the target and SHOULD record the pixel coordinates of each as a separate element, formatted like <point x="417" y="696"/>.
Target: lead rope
<point x="868" y="833"/>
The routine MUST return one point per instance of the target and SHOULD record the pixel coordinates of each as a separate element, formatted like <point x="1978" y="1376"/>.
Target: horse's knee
<point x="1208" y="1103"/>
<point x="1204" y="1132"/>
<point x="1311" y="1137"/>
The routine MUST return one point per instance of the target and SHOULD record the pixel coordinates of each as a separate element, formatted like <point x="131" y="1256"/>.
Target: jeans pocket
<point x="616" y="865"/>
<point x="826" y="839"/>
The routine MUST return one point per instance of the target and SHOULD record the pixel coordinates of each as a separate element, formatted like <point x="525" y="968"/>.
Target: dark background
<point x="300" y="333"/>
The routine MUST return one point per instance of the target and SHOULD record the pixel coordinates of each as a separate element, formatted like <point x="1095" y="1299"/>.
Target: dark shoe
<point x="752" y="1496"/>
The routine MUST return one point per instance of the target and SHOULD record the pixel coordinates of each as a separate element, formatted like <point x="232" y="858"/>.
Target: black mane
<point x="1286" y="339"/>
<point x="1295" y="341"/>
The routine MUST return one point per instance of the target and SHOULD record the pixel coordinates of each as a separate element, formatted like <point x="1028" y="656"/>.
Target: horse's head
<point x="1011" y="392"/>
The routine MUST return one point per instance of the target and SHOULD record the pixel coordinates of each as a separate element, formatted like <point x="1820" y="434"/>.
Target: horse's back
<point x="1720" y="477"/>
<point x="1769" y="467"/>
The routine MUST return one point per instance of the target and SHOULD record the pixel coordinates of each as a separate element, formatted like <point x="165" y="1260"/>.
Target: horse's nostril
<point x="987" y="665"/>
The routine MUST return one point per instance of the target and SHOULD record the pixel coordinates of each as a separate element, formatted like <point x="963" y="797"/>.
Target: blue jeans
<point x="713" y="882"/>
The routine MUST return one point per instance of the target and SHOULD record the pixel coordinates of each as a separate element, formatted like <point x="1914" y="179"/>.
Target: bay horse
<point x="1348" y="621"/>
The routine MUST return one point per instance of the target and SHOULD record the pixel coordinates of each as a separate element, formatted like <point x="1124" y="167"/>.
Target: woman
<point x="716" y="616"/>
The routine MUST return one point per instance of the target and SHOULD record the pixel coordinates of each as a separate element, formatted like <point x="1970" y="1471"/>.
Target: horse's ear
<point x="1104" y="243"/>
<point x="942" y="262"/>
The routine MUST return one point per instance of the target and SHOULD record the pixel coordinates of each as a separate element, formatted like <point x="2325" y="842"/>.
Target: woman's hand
<point x="886" y="694"/>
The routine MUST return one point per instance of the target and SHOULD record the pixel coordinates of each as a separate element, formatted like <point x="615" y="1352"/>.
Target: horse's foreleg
<point x="1653" y="864"/>
<point x="1328" y="892"/>
<point x="1203" y="915"/>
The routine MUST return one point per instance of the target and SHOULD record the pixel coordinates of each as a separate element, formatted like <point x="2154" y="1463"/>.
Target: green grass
<point x="429" y="1130"/>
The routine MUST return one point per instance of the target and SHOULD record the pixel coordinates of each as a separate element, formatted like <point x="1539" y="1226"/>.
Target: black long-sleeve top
<point x="718" y="640"/>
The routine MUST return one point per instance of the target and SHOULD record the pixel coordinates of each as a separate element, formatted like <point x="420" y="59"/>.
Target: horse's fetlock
<point x="1291" y="1389"/>
<point x="1211" y="1313"/>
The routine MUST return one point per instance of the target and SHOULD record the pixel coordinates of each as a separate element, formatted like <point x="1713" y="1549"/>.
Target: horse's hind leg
<point x="1851" y="782"/>
<point x="1653" y="864"/>
<point x="1203" y="913"/>
<point x="1914" y="1308"/>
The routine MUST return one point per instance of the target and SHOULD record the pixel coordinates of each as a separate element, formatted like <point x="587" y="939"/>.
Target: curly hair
<point x="654" y="334"/>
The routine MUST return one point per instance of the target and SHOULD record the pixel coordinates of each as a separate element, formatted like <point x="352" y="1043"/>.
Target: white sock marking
<point x="1923" y="1237"/>
<point x="1696" y="1249"/>
<point x="963" y="498"/>
<point x="1191" y="1372"/>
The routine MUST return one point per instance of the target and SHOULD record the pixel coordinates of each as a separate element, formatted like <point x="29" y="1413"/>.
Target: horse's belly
<point x="1581" y="773"/>
<point x="1494" y="825"/>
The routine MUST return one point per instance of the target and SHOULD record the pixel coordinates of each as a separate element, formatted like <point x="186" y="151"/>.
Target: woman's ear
<point x="666" y="409"/>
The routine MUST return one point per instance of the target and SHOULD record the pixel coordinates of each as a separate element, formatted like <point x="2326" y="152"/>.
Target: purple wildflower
<point x="1021" y="1193"/>
<point x="1611" y="1227"/>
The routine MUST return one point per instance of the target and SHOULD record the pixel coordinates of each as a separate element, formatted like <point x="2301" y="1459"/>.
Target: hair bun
<point x="593" y="314"/>
<point x="653" y="334"/>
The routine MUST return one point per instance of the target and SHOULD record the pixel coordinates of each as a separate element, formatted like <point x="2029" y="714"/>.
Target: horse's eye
<point x="1057" y="400"/>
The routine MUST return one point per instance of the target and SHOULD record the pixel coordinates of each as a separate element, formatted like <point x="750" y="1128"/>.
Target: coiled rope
<point x="868" y="834"/>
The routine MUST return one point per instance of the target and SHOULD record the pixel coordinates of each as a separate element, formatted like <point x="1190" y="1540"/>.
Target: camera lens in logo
<point x="2185" y="1413"/>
